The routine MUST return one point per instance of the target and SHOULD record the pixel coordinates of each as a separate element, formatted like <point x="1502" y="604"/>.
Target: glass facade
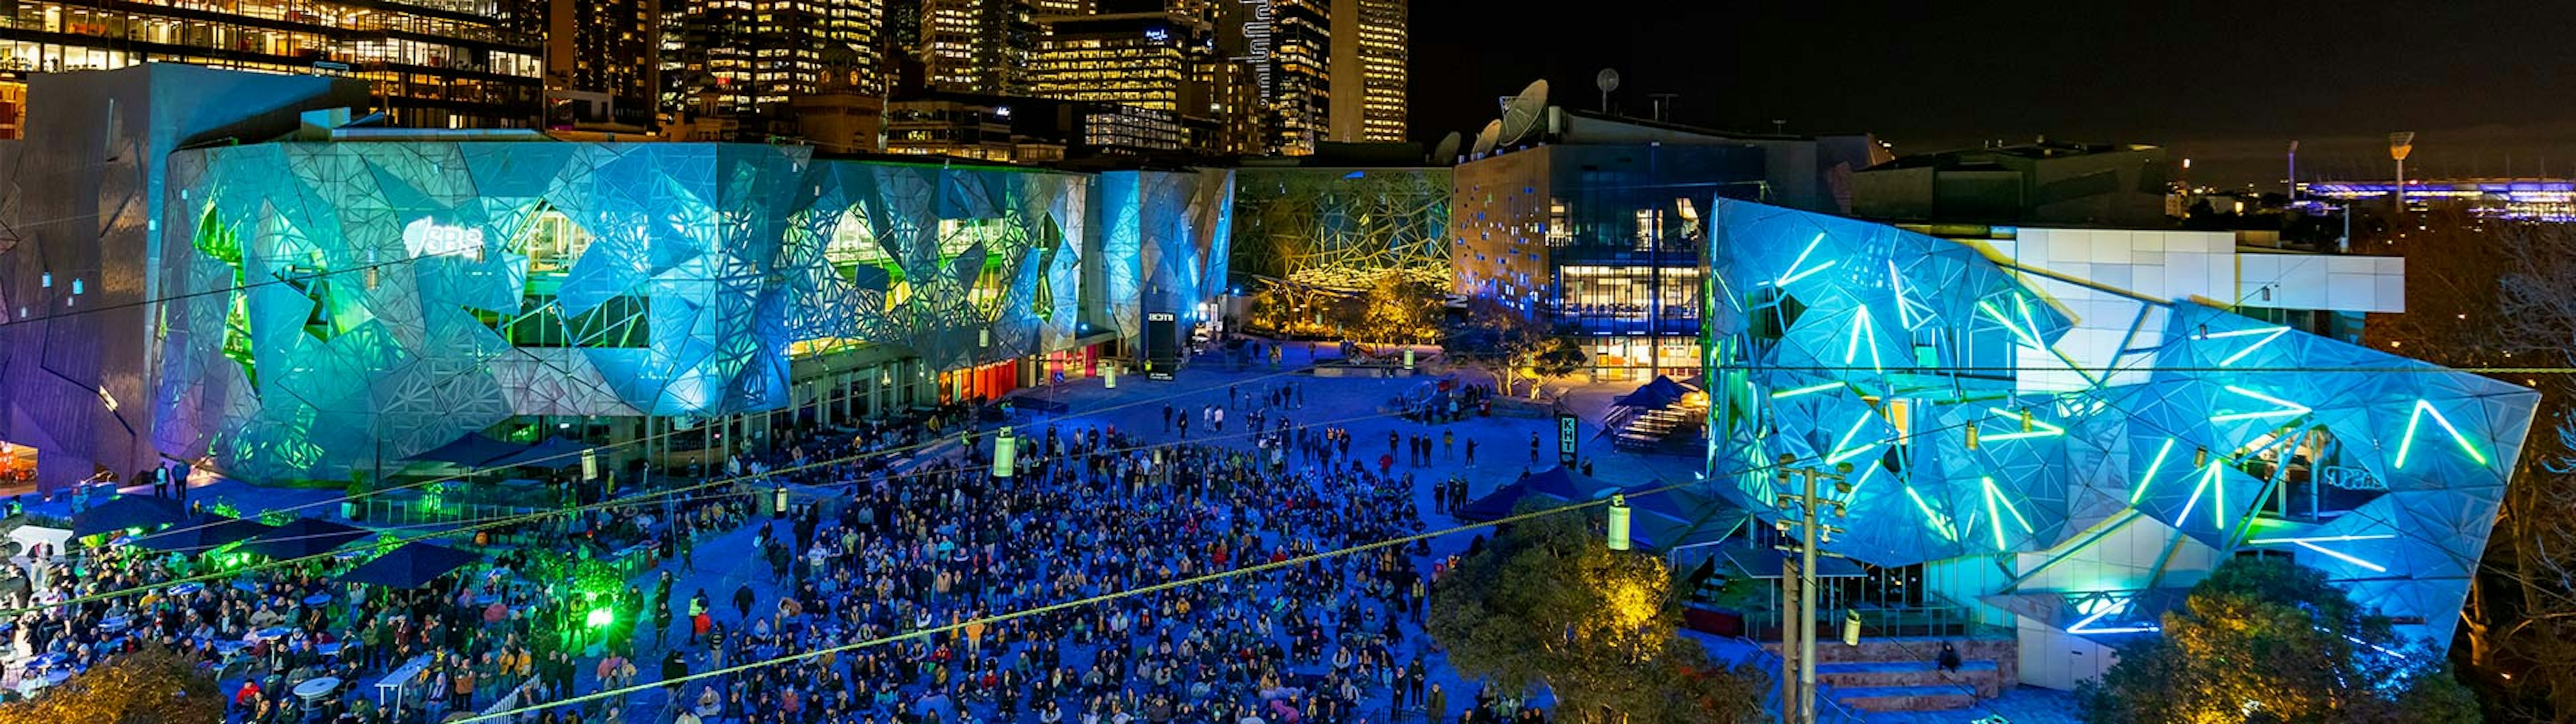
<point x="1602" y="240"/>
<point x="433" y="63"/>
<point x="1932" y="368"/>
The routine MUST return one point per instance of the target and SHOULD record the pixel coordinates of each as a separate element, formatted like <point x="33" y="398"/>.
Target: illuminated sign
<point x="423" y="237"/>
<point x="1568" y="428"/>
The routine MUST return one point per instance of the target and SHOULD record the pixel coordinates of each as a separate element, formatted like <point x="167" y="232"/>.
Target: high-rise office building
<point x="1299" y="88"/>
<point x="603" y="62"/>
<point x="756" y="56"/>
<point x="977" y="46"/>
<point x="1369" y="52"/>
<point x="443" y="64"/>
<point x="1145" y="56"/>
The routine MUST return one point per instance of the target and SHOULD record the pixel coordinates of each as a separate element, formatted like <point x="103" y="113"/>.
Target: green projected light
<point x="2025" y="337"/>
<point x="1794" y="274"/>
<point x="2040" y="428"/>
<point x="2140" y="490"/>
<point x="2422" y="408"/>
<point x="2286" y="408"/>
<point x="1810" y="389"/>
<point x="2184" y="409"/>
<point x="2269" y="334"/>
<point x="1934" y="520"/>
<point x="1993" y="497"/>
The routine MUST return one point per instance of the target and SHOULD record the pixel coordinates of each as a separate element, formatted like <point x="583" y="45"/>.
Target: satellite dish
<point x="1521" y="115"/>
<point x="1607" y="80"/>
<point x="1447" y="151"/>
<point x="1485" y="139"/>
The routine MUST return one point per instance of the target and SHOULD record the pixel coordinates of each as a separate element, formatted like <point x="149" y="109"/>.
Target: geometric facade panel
<point x="1905" y="356"/>
<point x="426" y="289"/>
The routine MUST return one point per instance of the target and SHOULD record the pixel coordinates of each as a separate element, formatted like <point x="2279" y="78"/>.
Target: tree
<point x="2484" y="293"/>
<point x="1399" y="310"/>
<point x="2266" y="640"/>
<point x="1549" y="604"/>
<point x="1511" y="347"/>
<point x="148" y="686"/>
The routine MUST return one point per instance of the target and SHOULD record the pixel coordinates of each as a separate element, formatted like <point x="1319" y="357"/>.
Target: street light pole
<point x="1801" y="708"/>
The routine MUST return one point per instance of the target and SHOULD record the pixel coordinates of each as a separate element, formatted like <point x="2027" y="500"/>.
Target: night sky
<point x="2228" y="85"/>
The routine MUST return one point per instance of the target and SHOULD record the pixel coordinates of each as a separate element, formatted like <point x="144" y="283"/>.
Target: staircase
<point x="1654" y="430"/>
<point x="1900" y="674"/>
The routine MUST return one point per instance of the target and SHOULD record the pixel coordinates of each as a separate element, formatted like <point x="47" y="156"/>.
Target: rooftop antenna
<point x="1663" y="105"/>
<point x="1607" y="80"/>
<point x="1521" y="114"/>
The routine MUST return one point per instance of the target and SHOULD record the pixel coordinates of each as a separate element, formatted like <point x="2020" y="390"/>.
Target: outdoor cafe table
<point x="317" y="688"/>
<point x="401" y="677"/>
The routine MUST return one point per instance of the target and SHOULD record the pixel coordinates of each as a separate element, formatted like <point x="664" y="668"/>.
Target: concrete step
<point x="1983" y="676"/>
<point x="1905" y="698"/>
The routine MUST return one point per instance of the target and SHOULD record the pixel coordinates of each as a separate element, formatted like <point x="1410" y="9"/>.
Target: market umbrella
<point x="470" y="450"/>
<point x="554" y="454"/>
<point x="202" y="533"/>
<point x="411" y="566"/>
<point x="301" y="538"/>
<point x="1663" y="391"/>
<point x="125" y="511"/>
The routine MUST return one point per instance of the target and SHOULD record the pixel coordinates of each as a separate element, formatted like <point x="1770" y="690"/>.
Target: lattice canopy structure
<point x="1342" y="228"/>
<point x="2201" y="434"/>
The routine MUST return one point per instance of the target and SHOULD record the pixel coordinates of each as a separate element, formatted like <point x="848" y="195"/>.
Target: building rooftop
<point x="2042" y="149"/>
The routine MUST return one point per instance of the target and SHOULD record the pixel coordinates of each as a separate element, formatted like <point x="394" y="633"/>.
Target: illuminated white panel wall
<point x="2159" y="265"/>
<point x="2318" y="281"/>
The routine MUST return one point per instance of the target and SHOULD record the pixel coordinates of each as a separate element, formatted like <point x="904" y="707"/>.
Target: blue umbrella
<point x="411" y="566"/>
<point x="126" y="511"/>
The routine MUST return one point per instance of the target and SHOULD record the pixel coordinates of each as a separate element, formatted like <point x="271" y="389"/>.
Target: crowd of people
<point x="1089" y="512"/>
<point x="960" y="568"/>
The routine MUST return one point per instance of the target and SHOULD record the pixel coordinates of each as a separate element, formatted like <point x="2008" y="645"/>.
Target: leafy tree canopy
<point x="2264" y="640"/>
<point x="1548" y="604"/>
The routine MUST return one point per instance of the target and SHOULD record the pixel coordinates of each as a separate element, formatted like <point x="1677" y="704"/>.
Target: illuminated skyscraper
<point x="756" y="55"/>
<point x="1145" y="57"/>
<point x="444" y="64"/>
<point x="1298" y="89"/>
<point x="1369" y="53"/>
<point x="977" y="46"/>
<point x="608" y="50"/>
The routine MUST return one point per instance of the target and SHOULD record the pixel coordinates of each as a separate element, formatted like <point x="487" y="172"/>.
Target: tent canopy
<point x="411" y="566"/>
<point x="1663" y="391"/>
<point x="302" y="537"/>
<point x="200" y="533"/>
<point x="1556" y="482"/>
<point x="554" y="454"/>
<point x="470" y="450"/>
<point x="126" y="511"/>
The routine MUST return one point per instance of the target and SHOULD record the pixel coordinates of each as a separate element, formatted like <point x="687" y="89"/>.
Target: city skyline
<point x="2478" y="83"/>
